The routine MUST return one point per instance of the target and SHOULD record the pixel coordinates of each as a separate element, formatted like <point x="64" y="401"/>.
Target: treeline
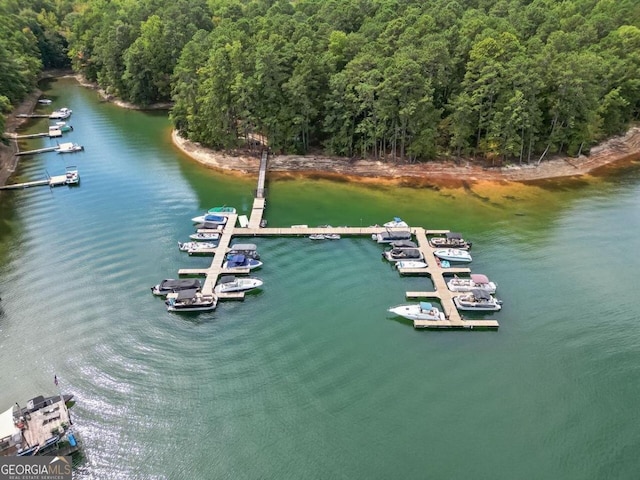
<point x="31" y="38"/>
<point x="391" y="79"/>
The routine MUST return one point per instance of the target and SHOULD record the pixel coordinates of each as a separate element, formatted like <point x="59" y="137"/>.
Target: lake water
<point x="312" y="378"/>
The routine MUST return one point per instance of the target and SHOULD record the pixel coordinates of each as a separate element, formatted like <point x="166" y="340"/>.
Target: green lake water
<point x="311" y="377"/>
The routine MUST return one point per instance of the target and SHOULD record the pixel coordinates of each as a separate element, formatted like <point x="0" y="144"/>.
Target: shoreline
<point x="615" y="150"/>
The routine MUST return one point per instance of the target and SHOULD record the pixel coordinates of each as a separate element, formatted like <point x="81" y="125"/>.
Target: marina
<point x="225" y="263"/>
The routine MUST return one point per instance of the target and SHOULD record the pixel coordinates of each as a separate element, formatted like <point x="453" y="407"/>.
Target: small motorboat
<point x="223" y="210"/>
<point x="452" y="254"/>
<point x="317" y="236"/>
<point x="210" y="219"/>
<point x="191" y="300"/>
<point x="397" y="222"/>
<point x="476" y="281"/>
<point x="61" y="114"/>
<point x="62" y="126"/>
<point x="397" y="254"/>
<point x="69" y="147"/>
<point x="230" y="283"/>
<point x="410" y="264"/>
<point x="389" y="236"/>
<point x="204" y="237"/>
<point x="240" y="262"/>
<point x="450" y="240"/>
<point x="72" y="177"/>
<point x="477" y="300"/>
<point x="45" y="101"/>
<point x="418" y="311"/>
<point x="170" y="285"/>
<point x="196" y="247"/>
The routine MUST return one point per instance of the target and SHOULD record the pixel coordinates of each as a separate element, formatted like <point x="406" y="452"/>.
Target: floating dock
<point x="37" y="151"/>
<point x="435" y="271"/>
<point x="55" y="181"/>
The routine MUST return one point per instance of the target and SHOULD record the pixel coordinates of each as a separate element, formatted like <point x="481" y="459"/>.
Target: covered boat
<point x="230" y="283"/>
<point x="240" y="262"/>
<point x="477" y="300"/>
<point x="452" y="254"/>
<point x="418" y="311"/>
<point x="450" y="240"/>
<point x="191" y="300"/>
<point x="476" y="281"/>
<point x="72" y="176"/>
<point x="247" y="249"/>
<point x="389" y="236"/>
<point x="170" y="285"/>
<point x="396" y="254"/>
<point x="404" y="244"/>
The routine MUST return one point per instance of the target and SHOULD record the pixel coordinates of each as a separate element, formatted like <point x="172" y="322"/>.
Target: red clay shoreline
<point x="617" y="150"/>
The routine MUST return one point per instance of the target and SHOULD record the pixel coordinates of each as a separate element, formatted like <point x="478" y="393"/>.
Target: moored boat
<point x="247" y="249"/>
<point x="476" y="281"/>
<point x="210" y="219"/>
<point x="404" y="244"/>
<point x="450" y="240"/>
<point x="230" y="283"/>
<point x="61" y="114"/>
<point x="62" y="126"/>
<point x="195" y="247"/>
<point x="171" y="285"/>
<point x="477" y="300"/>
<point x="204" y="237"/>
<point x="191" y="300"/>
<point x="223" y="210"/>
<point x="389" y="236"/>
<point x="418" y="311"/>
<point x="397" y="222"/>
<point x="397" y="254"/>
<point x="240" y="262"/>
<point x="452" y="255"/>
<point x="410" y="264"/>
<point x="45" y="101"/>
<point x="69" y="147"/>
<point x="72" y="177"/>
<point x="317" y="236"/>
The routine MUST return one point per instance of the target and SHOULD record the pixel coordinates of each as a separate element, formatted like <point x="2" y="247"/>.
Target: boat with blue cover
<point x="240" y="262"/>
<point x="211" y="219"/>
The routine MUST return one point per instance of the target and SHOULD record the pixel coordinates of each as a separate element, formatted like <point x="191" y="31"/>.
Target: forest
<point x="397" y="80"/>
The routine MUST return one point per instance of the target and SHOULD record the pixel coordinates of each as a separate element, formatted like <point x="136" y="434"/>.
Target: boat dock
<point x="55" y="181"/>
<point x="39" y="150"/>
<point x="434" y="270"/>
<point x="33" y="115"/>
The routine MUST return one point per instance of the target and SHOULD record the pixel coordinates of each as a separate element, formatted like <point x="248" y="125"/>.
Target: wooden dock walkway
<point x="39" y="150"/>
<point x="441" y="293"/>
<point x="55" y="181"/>
<point x="33" y="115"/>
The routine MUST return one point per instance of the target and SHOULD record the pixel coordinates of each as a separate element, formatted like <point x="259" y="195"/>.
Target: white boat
<point x="476" y="281"/>
<point x="210" y="219"/>
<point x="240" y="262"/>
<point x="45" y="101"/>
<point x="190" y="301"/>
<point x="72" y="175"/>
<point x="195" y="247"/>
<point x="397" y="254"/>
<point x="230" y="283"/>
<point x="477" y="300"/>
<point x="418" y="311"/>
<point x="397" y="222"/>
<point x="450" y="240"/>
<point x="171" y="285"/>
<point x="204" y="237"/>
<point x="410" y="264"/>
<point x="69" y="147"/>
<point x="389" y="236"/>
<point x="452" y="254"/>
<point x="61" y="114"/>
<point x="332" y="236"/>
<point x="317" y="236"/>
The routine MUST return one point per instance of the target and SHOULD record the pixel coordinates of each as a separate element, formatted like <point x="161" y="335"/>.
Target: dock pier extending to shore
<point x="434" y="270"/>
